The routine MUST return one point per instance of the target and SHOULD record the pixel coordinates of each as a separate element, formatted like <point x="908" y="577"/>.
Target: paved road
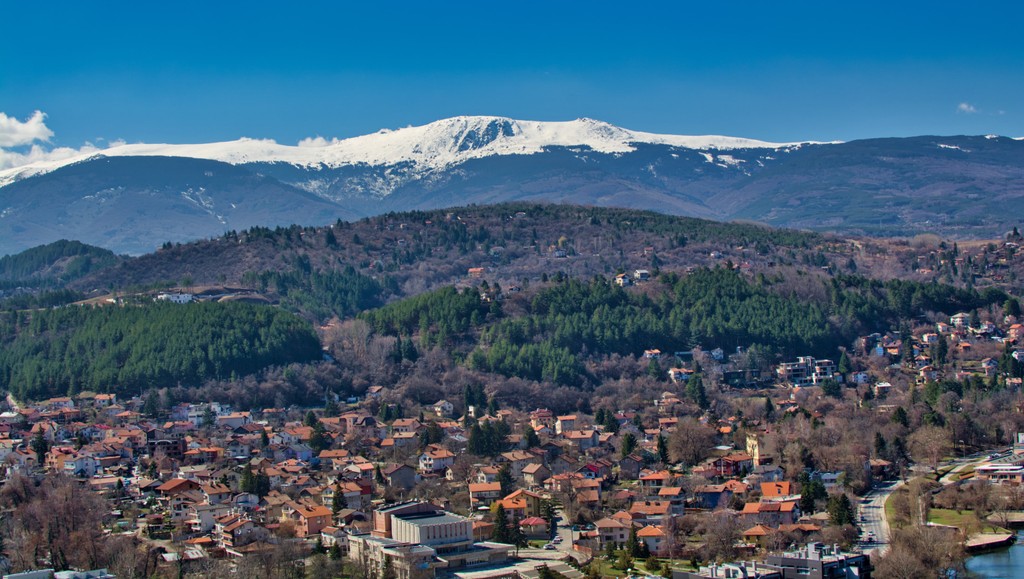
<point x="871" y="512"/>
<point x="873" y="508"/>
<point x="566" y="533"/>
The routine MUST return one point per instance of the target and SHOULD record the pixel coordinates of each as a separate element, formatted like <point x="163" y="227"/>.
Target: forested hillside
<point x="58" y="262"/>
<point x="320" y="295"/>
<point x="513" y="291"/>
<point x="128" y="349"/>
<point x="420" y="250"/>
<point x="554" y="331"/>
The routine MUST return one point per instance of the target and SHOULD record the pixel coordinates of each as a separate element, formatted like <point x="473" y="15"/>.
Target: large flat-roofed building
<point x="1006" y="474"/>
<point x="418" y="538"/>
<point x="408" y="561"/>
<point x="820" y="561"/>
<point x="739" y="570"/>
<point x="439" y="529"/>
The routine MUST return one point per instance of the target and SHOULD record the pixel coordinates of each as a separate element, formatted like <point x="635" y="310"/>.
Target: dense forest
<point x="439" y="317"/>
<point x="417" y="251"/>
<point x="773" y="293"/>
<point x="320" y="295"/>
<point x="132" y="348"/>
<point x="566" y="322"/>
<point x="53" y="264"/>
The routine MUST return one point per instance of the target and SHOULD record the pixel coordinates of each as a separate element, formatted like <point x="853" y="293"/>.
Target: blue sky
<point x="778" y="71"/>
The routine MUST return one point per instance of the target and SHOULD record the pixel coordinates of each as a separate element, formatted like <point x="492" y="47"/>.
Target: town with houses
<point x="402" y="497"/>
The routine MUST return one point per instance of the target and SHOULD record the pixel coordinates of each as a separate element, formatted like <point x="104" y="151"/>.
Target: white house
<point x="436" y="460"/>
<point x="443" y="408"/>
<point x="177" y="298"/>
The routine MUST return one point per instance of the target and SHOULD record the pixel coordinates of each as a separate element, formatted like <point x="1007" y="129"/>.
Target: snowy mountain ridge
<point x="432" y="147"/>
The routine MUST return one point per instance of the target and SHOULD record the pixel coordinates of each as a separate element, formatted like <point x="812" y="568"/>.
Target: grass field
<point x="962" y="519"/>
<point x="890" y="511"/>
<point x="606" y="568"/>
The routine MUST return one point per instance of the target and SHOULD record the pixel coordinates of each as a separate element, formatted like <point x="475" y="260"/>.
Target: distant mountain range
<point x="133" y="198"/>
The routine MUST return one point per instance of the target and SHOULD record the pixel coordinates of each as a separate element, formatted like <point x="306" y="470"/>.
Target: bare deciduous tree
<point x="690" y="442"/>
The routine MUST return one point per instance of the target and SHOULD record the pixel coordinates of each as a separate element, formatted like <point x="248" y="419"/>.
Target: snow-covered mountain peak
<point x="434" y="146"/>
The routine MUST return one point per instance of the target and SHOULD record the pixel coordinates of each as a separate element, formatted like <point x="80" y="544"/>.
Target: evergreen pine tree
<point x="662" y="449"/>
<point x="318" y="440"/>
<point x="844" y="366"/>
<point x="840" y="509"/>
<point x="625" y="561"/>
<point x="505" y="479"/>
<point x="501" y="534"/>
<point x="476" y="444"/>
<point x="696" y="392"/>
<point x="832" y="388"/>
<point x="262" y="485"/>
<point x="632" y="544"/>
<point x="152" y="405"/>
<point x="880" y="446"/>
<point x="331" y="408"/>
<point x="339" y="501"/>
<point x="1011" y="308"/>
<point x="611" y="424"/>
<point x="899" y="416"/>
<point x="209" y="418"/>
<point x="807" y="502"/>
<point x="530" y="436"/>
<point x="248" y="481"/>
<point x="517" y="536"/>
<point x="41" y="447"/>
<point x="628" y="444"/>
<point x="311" y="419"/>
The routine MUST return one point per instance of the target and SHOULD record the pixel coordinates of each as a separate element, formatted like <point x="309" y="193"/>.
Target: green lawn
<point x="967" y="472"/>
<point x="959" y="519"/>
<point x="890" y="512"/>
<point x="606" y="568"/>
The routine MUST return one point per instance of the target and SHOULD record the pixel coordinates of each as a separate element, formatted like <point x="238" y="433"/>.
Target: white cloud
<point x="316" y="141"/>
<point x="37" y="154"/>
<point x="966" y="108"/>
<point x="15" y="133"/>
<point x="25" y="138"/>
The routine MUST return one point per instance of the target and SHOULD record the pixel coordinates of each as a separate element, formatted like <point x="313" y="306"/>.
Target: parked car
<point x="549" y="546"/>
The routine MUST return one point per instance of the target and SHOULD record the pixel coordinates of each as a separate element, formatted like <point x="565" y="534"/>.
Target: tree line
<point x="31" y="267"/>
<point x="710" y="307"/>
<point x="320" y="295"/>
<point x="572" y="320"/>
<point x="439" y="317"/>
<point x="151" y="345"/>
